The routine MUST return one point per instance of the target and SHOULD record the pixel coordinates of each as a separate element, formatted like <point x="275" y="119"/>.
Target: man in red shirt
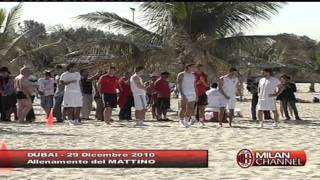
<point x="107" y="87"/>
<point x="125" y="100"/>
<point x="163" y="96"/>
<point x="201" y="86"/>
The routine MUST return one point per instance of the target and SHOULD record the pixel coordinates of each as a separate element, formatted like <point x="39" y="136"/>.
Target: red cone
<point x="6" y="156"/>
<point x="50" y="122"/>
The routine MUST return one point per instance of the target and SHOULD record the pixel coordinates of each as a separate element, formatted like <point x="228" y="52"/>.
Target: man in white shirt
<point x="228" y="86"/>
<point x="72" y="98"/>
<point x="186" y="84"/>
<point x="268" y="90"/>
<point x="214" y="97"/>
<point x="139" y="95"/>
<point x="216" y="101"/>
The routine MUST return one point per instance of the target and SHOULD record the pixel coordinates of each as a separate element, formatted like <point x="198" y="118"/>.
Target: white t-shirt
<point x="230" y="86"/>
<point x="46" y="86"/>
<point x="74" y="86"/>
<point x="187" y="85"/>
<point x="214" y="98"/>
<point x="134" y="88"/>
<point x="267" y="87"/>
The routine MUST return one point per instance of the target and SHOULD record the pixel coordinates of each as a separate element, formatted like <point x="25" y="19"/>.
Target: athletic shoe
<point x="202" y="123"/>
<point x="72" y="122"/>
<point x="275" y="124"/>
<point x="192" y="121"/>
<point x="261" y="125"/>
<point x="186" y="123"/>
<point x="140" y="123"/>
<point x="182" y="123"/>
<point x="77" y="122"/>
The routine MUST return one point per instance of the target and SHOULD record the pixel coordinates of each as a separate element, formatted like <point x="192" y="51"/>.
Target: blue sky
<point x="301" y="18"/>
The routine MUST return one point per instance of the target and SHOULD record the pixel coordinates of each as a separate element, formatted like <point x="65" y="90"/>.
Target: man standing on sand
<point x="125" y="100"/>
<point x="58" y="97"/>
<point x="139" y="95"/>
<point x="24" y="91"/>
<point x="46" y="91"/>
<point x="252" y="87"/>
<point x="186" y="84"/>
<point x="268" y="86"/>
<point x="107" y="87"/>
<point x="87" y="89"/>
<point x="152" y="94"/>
<point x="72" y="98"/>
<point x="163" y="96"/>
<point x="228" y="86"/>
<point x="202" y="86"/>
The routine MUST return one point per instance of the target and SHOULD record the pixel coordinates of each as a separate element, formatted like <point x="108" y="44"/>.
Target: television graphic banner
<point x="103" y="158"/>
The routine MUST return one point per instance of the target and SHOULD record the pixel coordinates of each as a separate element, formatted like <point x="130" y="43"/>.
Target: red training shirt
<point x="201" y="87"/>
<point x="108" y="84"/>
<point x="124" y="88"/>
<point x="162" y="88"/>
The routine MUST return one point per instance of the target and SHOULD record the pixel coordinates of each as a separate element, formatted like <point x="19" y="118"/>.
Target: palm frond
<point x="12" y="18"/>
<point x="158" y="16"/>
<point x="24" y="53"/>
<point x="10" y="45"/>
<point x="112" y="20"/>
<point x="244" y="15"/>
<point x="2" y="16"/>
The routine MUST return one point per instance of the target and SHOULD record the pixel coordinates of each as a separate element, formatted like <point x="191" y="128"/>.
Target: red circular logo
<point x="244" y="158"/>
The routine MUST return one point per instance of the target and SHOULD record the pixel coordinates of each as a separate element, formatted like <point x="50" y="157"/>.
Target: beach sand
<point x="223" y="144"/>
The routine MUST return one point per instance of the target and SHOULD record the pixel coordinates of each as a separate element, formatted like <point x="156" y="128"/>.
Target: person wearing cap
<point x="46" y="92"/>
<point x="163" y="96"/>
<point x="8" y="100"/>
<point x="152" y="94"/>
<point x="6" y="91"/>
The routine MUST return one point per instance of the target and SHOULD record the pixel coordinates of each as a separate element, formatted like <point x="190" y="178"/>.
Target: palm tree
<point x="191" y="28"/>
<point x="8" y="23"/>
<point x="9" y="40"/>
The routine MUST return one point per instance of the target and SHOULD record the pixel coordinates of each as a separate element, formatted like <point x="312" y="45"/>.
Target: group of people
<point x="195" y="95"/>
<point x="70" y="94"/>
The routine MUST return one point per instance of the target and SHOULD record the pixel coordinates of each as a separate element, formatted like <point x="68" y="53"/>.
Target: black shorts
<point x="163" y="103"/>
<point x="110" y="100"/>
<point x="21" y="95"/>
<point x="202" y="100"/>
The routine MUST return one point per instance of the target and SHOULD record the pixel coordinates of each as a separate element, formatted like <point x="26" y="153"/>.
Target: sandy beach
<point x="223" y="144"/>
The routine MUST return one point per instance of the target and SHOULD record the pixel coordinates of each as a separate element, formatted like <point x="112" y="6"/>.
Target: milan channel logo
<point x="245" y="158"/>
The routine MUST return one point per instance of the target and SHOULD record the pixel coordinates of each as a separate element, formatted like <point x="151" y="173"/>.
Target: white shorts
<point x="72" y="99"/>
<point x="228" y="103"/>
<point x="267" y="104"/>
<point x="140" y="102"/>
<point x="190" y="97"/>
